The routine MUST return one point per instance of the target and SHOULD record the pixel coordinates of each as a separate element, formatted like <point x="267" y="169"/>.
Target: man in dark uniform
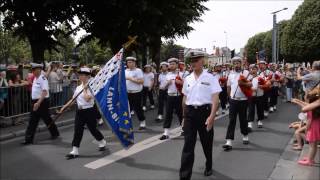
<point x="200" y="102"/>
<point x="40" y="106"/>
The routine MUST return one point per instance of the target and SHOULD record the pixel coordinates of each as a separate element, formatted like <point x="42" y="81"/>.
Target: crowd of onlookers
<point x="307" y="128"/>
<point x="16" y="84"/>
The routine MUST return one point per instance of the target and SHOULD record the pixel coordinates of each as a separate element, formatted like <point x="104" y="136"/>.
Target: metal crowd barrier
<point x="17" y="99"/>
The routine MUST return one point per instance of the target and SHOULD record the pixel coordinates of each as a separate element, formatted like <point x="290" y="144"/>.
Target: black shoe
<point x="55" y="137"/>
<point x="142" y="128"/>
<point x="245" y="142"/>
<point x="26" y="143"/>
<point x="182" y="133"/>
<point x="158" y="120"/>
<point x="208" y="172"/>
<point x="102" y="148"/>
<point x="71" y="156"/>
<point x="164" y="137"/>
<point x="227" y="147"/>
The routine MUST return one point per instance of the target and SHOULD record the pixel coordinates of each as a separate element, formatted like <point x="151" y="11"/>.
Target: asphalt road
<point x="45" y="159"/>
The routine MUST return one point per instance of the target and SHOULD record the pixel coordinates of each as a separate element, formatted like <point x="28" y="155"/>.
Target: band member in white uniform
<point x="275" y="81"/>
<point x="134" y="81"/>
<point x="174" y="98"/>
<point x="85" y="114"/>
<point x="200" y="102"/>
<point x="148" y="82"/>
<point x="162" y="89"/>
<point x="183" y="73"/>
<point x="264" y="73"/>
<point x="256" y="102"/>
<point x="40" y="106"/>
<point x="238" y="104"/>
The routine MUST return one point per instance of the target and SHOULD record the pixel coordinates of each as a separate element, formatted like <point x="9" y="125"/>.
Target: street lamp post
<point x="225" y="32"/>
<point x="274" y="35"/>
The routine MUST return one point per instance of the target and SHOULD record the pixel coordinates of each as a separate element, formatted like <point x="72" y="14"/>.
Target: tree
<point x="301" y="37"/>
<point x="21" y="51"/>
<point x="13" y="48"/>
<point x="255" y="44"/>
<point x="65" y="48"/>
<point x="149" y="20"/>
<point x="169" y="50"/>
<point x="6" y="45"/>
<point x="93" y="53"/>
<point x="38" y="20"/>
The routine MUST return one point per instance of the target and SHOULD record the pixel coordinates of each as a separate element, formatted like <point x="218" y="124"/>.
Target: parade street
<point x="151" y="158"/>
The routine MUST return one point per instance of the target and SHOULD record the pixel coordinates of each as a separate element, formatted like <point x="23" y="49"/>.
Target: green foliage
<point x="37" y="20"/>
<point x="109" y="21"/>
<point x="13" y="49"/>
<point x="301" y="38"/>
<point x="93" y="52"/>
<point x="64" y="50"/>
<point x="169" y="50"/>
<point x="256" y="43"/>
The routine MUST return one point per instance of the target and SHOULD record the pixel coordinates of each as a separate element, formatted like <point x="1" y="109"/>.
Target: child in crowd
<point x="313" y="128"/>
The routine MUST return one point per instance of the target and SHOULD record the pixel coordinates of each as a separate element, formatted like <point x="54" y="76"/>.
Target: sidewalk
<point x="19" y="130"/>
<point x="287" y="167"/>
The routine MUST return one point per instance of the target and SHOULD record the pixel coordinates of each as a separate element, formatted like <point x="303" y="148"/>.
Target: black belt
<point x="205" y="106"/>
<point x="35" y="100"/>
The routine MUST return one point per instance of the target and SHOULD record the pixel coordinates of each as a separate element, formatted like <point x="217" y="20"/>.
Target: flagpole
<point x="132" y="40"/>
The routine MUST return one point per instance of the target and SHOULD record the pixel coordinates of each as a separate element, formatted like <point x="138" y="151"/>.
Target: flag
<point x="262" y="55"/>
<point x="110" y="93"/>
<point x="232" y="53"/>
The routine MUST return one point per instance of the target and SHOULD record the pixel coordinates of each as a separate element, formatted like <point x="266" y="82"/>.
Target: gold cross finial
<point x="132" y="40"/>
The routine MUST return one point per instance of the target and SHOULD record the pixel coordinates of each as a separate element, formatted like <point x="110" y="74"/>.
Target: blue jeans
<point x="289" y="94"/>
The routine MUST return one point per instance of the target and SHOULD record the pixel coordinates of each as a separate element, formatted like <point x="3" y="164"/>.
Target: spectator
<point x="311" y="80"/>
<point x="74" y="79"/>
<point x="3" y="89"/>
<point x="55" y="85"/>
<point x="65" y="85"/>
<point x="300" y="132"/>
<point x="16" y="93"/>
<point x="29" y="79"/>
<point x="313" y="126"/>
<point x="289" y="83"/>
<point x="148" y="82"/>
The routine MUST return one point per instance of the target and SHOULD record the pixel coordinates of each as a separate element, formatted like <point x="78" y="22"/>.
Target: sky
<point x="236" y="21"/>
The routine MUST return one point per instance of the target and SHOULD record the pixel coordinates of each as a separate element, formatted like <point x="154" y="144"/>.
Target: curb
<point x="41" y="128"/>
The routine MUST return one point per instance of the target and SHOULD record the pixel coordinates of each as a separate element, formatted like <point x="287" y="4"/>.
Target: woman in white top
<point x="84" y="115"/>
<point x="148" y="81"/>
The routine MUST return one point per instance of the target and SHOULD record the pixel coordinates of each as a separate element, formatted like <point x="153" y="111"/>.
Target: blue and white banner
<point x="110" y="92"/>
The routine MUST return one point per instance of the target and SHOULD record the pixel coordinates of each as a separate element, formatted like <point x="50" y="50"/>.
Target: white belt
<point x="239" y="98"/>
<point x="173" y="94"/>
<point x="85" y="107"/>
<point x="133" y="91"/>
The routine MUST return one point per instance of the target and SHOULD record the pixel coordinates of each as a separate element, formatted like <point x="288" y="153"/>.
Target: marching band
<point x="194" y="95"/>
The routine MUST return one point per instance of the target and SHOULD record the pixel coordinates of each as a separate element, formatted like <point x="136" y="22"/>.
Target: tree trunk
<point x="37" y="49"/>
<point x="155" y="50"/>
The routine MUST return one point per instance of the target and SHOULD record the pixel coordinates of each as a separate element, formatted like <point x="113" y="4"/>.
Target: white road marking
<point x="140" y="146"/>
